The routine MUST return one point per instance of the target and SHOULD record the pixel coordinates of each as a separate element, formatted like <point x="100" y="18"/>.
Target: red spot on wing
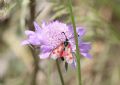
<point x="69" y="46"/>
<point x="68" y="54"/>
<point x="53" y="52"/>
<point x="60" y="52"/>
<point x="57" y="52"/>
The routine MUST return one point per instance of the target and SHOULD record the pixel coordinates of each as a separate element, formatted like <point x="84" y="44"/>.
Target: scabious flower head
<point x="49" y="36"/>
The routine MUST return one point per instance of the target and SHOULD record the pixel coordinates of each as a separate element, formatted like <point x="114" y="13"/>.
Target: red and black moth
<point x="64" y="52"/>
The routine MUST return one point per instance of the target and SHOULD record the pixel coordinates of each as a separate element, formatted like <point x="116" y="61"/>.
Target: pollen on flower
<point x="53" y="34"/>
<point x="54" y="38"/>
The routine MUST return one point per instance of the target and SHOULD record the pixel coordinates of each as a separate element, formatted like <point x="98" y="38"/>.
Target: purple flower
<point x="49" y="36"/>
<point x="83" y="46"/>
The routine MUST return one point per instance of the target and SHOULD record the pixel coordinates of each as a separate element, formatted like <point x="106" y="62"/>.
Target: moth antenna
<point x="64" y="35"/>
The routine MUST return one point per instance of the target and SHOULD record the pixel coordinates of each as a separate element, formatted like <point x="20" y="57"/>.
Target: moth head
<point x="66" y="41"/>
<point x="65" y="35"/>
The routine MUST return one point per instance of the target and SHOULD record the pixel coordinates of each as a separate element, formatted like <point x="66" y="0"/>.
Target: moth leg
<point x="66" y="66"/>
<point x="62" y="58"/>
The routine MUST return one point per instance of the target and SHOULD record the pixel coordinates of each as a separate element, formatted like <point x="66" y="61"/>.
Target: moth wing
<point x="68" y="54"/>
<point x="57" y="52"/>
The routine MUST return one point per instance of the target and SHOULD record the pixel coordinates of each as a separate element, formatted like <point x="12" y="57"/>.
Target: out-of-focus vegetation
<point x="101" y="18"/>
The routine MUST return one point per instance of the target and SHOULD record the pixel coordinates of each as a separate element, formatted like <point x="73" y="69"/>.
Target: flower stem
<point x="76" y="42"/>
<point x="59" y="71"/>
<point x="32" y="7"/>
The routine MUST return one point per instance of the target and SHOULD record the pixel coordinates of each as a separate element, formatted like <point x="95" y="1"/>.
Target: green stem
<point x="59" y="71"/>
<point x="76" y="42"/>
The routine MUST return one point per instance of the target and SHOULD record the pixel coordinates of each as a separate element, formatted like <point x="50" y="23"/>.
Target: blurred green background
<point x="101" y="18"/>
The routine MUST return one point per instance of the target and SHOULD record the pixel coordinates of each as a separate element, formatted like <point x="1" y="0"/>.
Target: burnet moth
<point x="64" y="52"/>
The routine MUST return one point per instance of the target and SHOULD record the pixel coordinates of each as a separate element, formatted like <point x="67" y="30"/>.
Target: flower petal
<point x="34" y="42"/>
<point x="37" y="27"/>
<point x="43" y="24"/>
<point x="85" y="46"/>
<point x="87" y="55"/>
<point x="25" y="42"/>
<point x="44" y="55"/>
<point x="45" y="48"/>
<point x="74" y="64"/>
<point x="72" y="43"/>
<point x="81" y="31"/>
<point x="70" y="28"/>
<point x="28" y="32"/>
